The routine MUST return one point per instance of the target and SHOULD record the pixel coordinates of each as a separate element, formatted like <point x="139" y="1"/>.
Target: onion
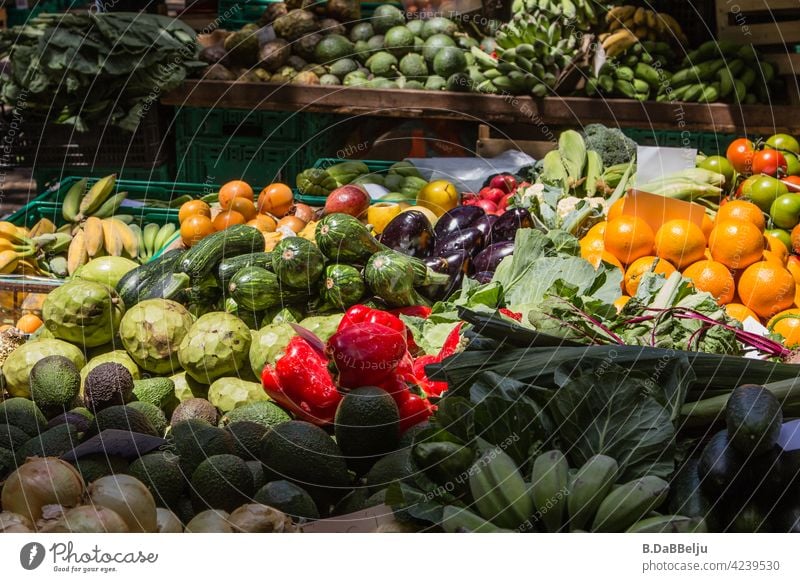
<point x="129" y="498"/>
<point x="302" y="211"/>
<point x="40" y="482"/>
<point x="14" y="523"/>
<point x="168" y="521"/>
<point x="257" y="518"/>
<point x="293" y="222"/>
<point x="210" y="521"/>
<point x="88" y="519"/>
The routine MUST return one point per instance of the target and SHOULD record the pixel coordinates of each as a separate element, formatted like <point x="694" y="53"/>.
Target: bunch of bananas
<point x="28" y="252"/>
<point x="581" y="12"/>
<point x="721" y="71"/>
<point x="639" y="73"/>
<point x="98" y="201"/>
<point x="626" y="25"/>
<point x="573" y="168"/>
<point x="97" y="237"/>
<point x="153" y="238"/>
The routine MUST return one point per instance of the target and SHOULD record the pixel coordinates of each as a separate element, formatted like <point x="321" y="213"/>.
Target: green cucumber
<point x="203" y="257"/>
<point x="344" y="239"/>
<point x="131" y="284"/>
<point x="342" y="286"/>
<point x="230" y="266"/>
<point x="256" y="289"/>
<point x="167" y="286"/>
<point x="298" y="263"/>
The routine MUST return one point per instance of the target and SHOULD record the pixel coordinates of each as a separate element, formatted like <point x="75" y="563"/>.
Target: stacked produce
<point x="627" y="25"/>
<point x="637" y="73"/>
<point x="402" y="179"/>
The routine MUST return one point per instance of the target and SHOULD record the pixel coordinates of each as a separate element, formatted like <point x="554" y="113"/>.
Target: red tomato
<point x="792" y="183"/>
<point x="768" y="162"/>
<point x="740" y="154"/>
<point x="494" y="195"/>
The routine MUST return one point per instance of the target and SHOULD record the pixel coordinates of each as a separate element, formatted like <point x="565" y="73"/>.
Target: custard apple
<point x="18" y="365"/>
<point x="216" y="345"/>
<point x="152" y="331"/>
<point x="84" y="313"/>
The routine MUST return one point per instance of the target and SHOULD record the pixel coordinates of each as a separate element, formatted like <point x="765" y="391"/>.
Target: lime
<point x="784" y="142"/>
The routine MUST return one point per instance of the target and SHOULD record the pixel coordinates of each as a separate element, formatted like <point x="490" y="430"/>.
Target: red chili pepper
<point x="364" y="354"/>
<point x="451" y="343"/>
<point x="512" y="314"/>
<point x="300" y="381"/>
<point x="414" y="311"/>
<point x="431" y="388"/>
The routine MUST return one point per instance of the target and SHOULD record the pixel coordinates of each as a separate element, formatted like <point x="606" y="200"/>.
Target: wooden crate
<point x="3" y="19"/>
<point x="489" y="147"/>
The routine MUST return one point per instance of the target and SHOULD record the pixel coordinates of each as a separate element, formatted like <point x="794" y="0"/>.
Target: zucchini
<point x="202" y="258"/>
<point x="232" y="265"/>
<point x="169" y="285"/>
<point x="298" y="263"/>
<point x="344" y="239"/>
<point x="392" y="276"/>
<point x="342" y="286"/>
<point x="256" y="289"/>
<point x="130" y="286"/>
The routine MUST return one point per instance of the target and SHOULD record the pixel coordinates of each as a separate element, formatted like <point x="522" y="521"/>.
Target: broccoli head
<point x="613" y="146"/>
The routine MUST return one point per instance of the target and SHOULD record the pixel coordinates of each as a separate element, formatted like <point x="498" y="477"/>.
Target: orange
<point x="234" y="189"/>
<point x="645" y="265"/>
<point x="740" y="312"/>
<point x="795" y="239"/>
<point x="192" y="208"/>
<point x="592" y="245"/>
<point x="602" y="256"/>
<point x="793" y="265"/>
<point x="264" y="223"/>
<point x="712" y="277"/>
<point x="776" y="247"/>
<point x="244" y="207"/>
<point x="787" y="325"/>
<point x="28" y="323"/>
<point x="615" y="210"/>
<point x="680" y="242"/>
<point x="196" y="228"/>
<point x="621" y="301"/>
<point x="228" y="218"/>
<point x="598" y="229"/>
<point x="736" y="243"/>
<point x="771" y="257"/>
<point x="707" y="226"/>
<point x="767" y="288"/>
<point x="629" y="238"/>
<point x="275" y="199"/>
<point x="742" y="210"/>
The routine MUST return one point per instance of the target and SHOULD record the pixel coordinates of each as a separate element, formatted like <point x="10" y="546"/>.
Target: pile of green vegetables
<point x="88" y="67"/>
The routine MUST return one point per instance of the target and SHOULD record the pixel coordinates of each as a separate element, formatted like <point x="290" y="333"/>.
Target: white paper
<point x="375" y="191"/>
<point x="653" y="163"/>
<point x="469" y="174"/>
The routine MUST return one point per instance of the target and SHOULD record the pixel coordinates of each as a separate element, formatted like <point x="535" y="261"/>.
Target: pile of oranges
<point x="237" y="205"/>
<point x="750" y="272"/>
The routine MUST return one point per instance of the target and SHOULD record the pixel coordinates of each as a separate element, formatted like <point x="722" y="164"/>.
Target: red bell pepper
<point x="420" y="311"/>
<point x="412" y="407"/>
<point x="364" y="354"/>
<point x="301" y="383"/>
<point x="363" y="314"/>
<point x="512" y="314"/>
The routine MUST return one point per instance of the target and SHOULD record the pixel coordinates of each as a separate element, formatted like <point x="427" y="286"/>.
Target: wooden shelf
<point x="541" y="113"/>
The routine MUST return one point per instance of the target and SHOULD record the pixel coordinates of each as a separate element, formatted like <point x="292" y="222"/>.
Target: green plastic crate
<point x="47" y="176"/>
<point x="17" y="16"/>
<point x="375" y="167"/>
<point x="709" y="143"/>
<point x="34" y="211"/>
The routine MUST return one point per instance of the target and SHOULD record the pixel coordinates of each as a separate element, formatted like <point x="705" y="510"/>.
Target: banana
<point x="93" y="233"/>
<point x="77" y="255"/>
<point x="164" y="234"/>
<point x="640" y="16"/>
<point x="499" y="491"/>
<point x="96" y="196"/>
<point x="151" y="232"/>
<point x="137" y="231"/>
<point x="652" y="20"/>
<point x="620" y="13"/>
<point x="641" y="32"/>
<point x="112" y="238"/>
<point x="110" y="206"/>
<point x="549" y="482"/>
<point x="9" y="260"/>
<point x="591" y="484"/>
<point x="629" y="503"/>
<point x="459" y="519"/>
<point x="44" y="226"/>
<point x="669" y="524"/>
<point x="72" y="200"/>
<point x="60" y="244"/>
<point x="130" y="241"/>
<point x="126" y="218"/>
<point x="619" y="42"/>
<point x="673" y="26"/>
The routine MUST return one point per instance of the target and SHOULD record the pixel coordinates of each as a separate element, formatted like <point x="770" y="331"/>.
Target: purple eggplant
<point x="455" y="264"/>
<point x="409" y="233"/>
<point x="483" y="277"/>
<point x="485" y="223"/>
<point x="457" y="219"/>
<point x="509" y="223"/>
<point x="488" y="259"/>
<point x="469" y="239"/>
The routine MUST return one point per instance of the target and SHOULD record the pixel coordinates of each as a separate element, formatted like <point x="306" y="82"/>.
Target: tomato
<point x="792" y="183"/>
<point x="785" y="211"/>
<point x="740" y="154"/>
<point x="781" y="235"/>
<point x="719" y="164"/>
<point x="792" y="164"/>
<point x="784" y="142"/>
<point x="764" y="190"/>
<point x="769" y="162"/>
<point x="275" y="199"/>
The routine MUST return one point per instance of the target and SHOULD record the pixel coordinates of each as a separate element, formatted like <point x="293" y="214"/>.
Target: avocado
<point x="438" y="25"/>
<point x="108" y="384"/>
<point x="257" y="469"/>
<point x="195" y="440"/>
<point x="415" y="26"/>
<point x="264" y="412"/>
<point x="449" y="61"/>
<point x="184" y="509"/>
<point x="382" y="64"/>
<point x="161" y="473"/>
<point x="367" y="426"/>
<point x="194" y="408"/>
<point x="153" y="414"/>
<point x="399" y="41"/>
<point x="413" y="66"/>
<point x="459" y="82"/>
<point x="157" y="391"/>
<point x="353" y="501"/>
<point x="80" y="422"/>
<point x="332" y="48"/>
<point x="435" y="83"/>
<point x="361" y="31"/>
<point x="385" y="17"/>
<point x="221" y="482"/>
<point x="434" y="44"/>
<point x="753" y="418"/>
<point x="407" y="439"/>
<point x="8" y="463"/>
<point x="247" y="437"/>
<point x="720" y="466"/>
<point x="343" y="66"/>
<point x="375" y="43"/>
<point x="51" y="443"/>
<point x="412" y="84"/>
<point x="329" y="79"/>
<point x="24" y="414"/>
<point x="394" y="467"/>
<point x="92" y="467"/>
<point x="55" y="382"/>
<point x="288" y="498"/>
<point x="12" y="437"/>
<point x="303" y="453"/>
<point x="121" y="417"/>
